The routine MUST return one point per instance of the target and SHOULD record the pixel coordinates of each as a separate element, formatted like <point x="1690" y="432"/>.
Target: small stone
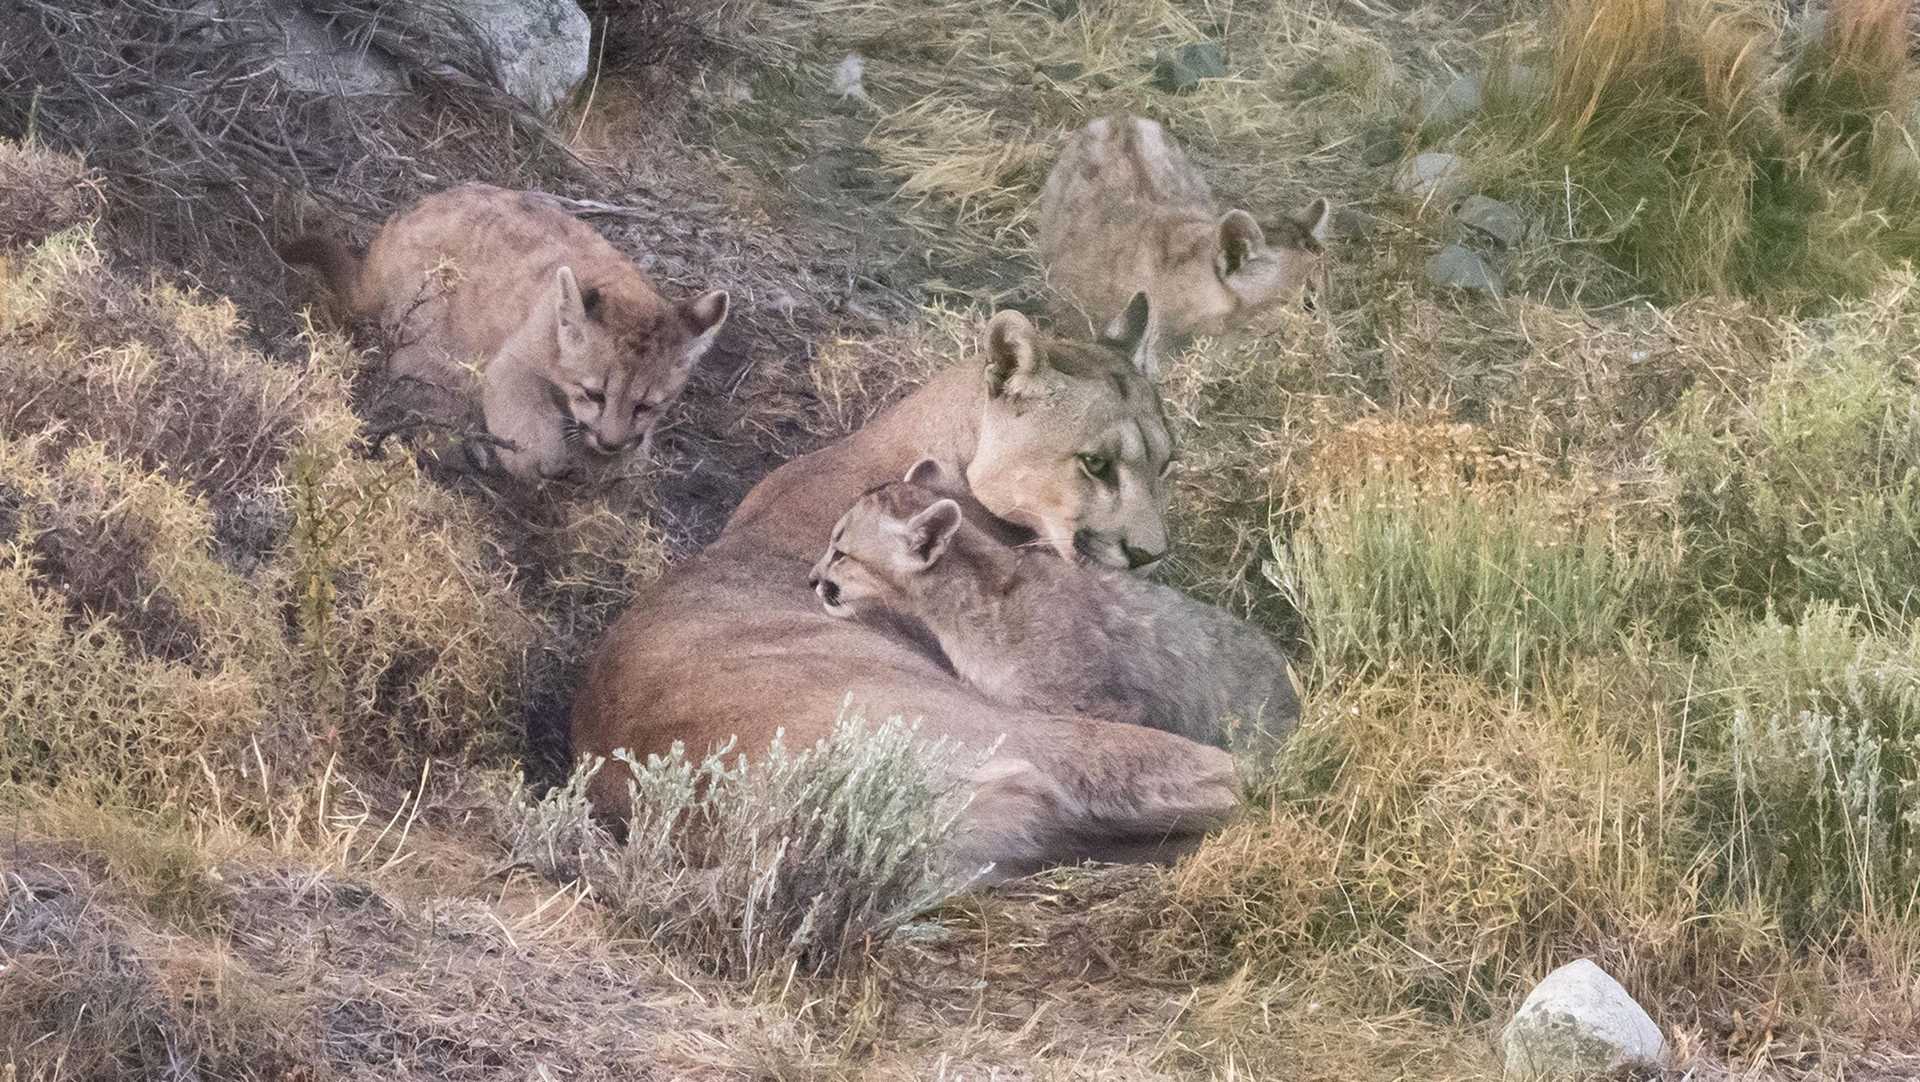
<point x="1182" y="69"/>
<point x="1381" y="145"/>
<point x="1454" y="104"/>
<point x="1458" y="267"/>
<point x="1579" y="1023"/>
<point x="1501" y="222"/>
<point x="1432" y="173"/>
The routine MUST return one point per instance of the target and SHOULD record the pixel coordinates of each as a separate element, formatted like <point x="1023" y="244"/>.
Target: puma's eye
<point x="1098" y="467"/>
<point x="834" y="555"/>
<point x="641" y="407"/>
<point x="598" y="398"/>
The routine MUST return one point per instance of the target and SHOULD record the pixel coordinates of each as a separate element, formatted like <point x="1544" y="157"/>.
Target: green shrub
<point x="1502" y="586"/>
<point x="1808" y="491"/>
<point x="1807" y="753"/>
<point x="795" y="860"/>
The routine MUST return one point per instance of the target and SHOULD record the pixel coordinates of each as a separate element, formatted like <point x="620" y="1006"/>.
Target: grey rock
<point x="308" y="53"/>
<point x="1431" y="174"/>
<point x="1453" y="104"/>
<point x="1181" y="69"/>
<point x="1381" y="144"/>
<point x="849" y="79"/>
<point x="1500" y="222"/>
<point x="1458" y="267"/>
<point x="1350" y="223"/>
<point x="1579" y="1023"/>
<point x="542" y="46"/>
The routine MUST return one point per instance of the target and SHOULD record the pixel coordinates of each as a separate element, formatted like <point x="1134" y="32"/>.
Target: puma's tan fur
<point x="575" y="354"/>
<point x="1027" y="628"/>
<point x="1124" y="211"/>
<point x="732" y="642"/>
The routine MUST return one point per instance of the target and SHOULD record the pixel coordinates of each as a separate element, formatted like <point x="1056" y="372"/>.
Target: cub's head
<point x="889" y="535"/>
<point x="1073" y="443"/>
<point x="621" y="357"/>
<point x="1248" y="270"/>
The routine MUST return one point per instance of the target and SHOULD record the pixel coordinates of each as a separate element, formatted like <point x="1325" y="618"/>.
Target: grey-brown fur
<point x="1124" y="211"/>
<point x="1031" y="629"/>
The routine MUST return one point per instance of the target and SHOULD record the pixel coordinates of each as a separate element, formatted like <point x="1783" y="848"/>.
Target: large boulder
<point x="542" y="46"/>
<point x="1579" y="1023"/>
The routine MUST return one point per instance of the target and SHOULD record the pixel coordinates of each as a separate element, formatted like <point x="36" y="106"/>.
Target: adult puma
<point x="505" y="297"/>
<point x="1066" y="439"/>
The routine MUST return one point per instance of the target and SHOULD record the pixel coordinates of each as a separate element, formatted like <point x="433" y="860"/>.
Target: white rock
<point x="1579" y="1023"/>
<point x="542" y="46"/>
<point x="848" y="77"/>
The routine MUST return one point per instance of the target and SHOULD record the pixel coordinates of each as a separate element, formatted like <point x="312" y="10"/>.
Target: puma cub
<point x="1124" y="211"/>
<point x="1027" y="627"/>
<point x="576" y="356"/>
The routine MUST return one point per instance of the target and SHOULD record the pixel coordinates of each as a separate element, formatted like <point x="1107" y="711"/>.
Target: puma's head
<point x="1073" y="442"/>
<point x="617" y="363"/>
<point x="890" y="534"/>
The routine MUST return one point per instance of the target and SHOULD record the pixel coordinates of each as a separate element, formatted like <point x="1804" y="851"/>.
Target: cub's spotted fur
<point x="576" y="356"/>
<point x="1033" y="630"/>
<point x="1124" y="211"/>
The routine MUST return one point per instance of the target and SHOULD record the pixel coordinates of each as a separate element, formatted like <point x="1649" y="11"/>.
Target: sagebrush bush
<point x="1503" y="584"/>
<point x="801" y="858"/>
<point x="1807" y="489"/>
<point x="1806" y="744"/>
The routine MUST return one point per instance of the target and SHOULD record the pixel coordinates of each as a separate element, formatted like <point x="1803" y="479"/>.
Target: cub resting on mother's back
<point x="577" y="355"/>
<point x="1123" y="211"/>
<point x="1034" y="630"/>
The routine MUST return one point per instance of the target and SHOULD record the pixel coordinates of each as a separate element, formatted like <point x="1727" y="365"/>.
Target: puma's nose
<point x="1138" y="558"/>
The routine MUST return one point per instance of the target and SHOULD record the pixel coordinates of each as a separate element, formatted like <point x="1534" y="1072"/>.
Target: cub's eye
<point x="834" y="556"/>
<point x="641" y="407"/>
<point x="598" y="398"/>
<point x="1098" y="467"/>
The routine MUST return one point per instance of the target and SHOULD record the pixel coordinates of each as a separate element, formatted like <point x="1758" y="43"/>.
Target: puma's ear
<point x="928" y="473"/>
<point x="929" y="532"/>
<point x="705" y="315"/>
<point x="1315" y="221"/>
<point x="568" y="304"/>
<point x="1013" y="352"/>
<point x="1133" y="331"/>
<point x="1240" y="238"/>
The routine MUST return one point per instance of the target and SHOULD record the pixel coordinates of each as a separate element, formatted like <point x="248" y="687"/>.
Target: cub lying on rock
<point x="577" y="357"/>
<point x="1027" y="627"/>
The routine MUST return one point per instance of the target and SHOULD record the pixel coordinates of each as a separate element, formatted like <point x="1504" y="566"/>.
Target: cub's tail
<point x="336" y="261"/>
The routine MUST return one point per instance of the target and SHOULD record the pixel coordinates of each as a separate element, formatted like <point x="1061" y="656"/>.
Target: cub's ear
<point x="1013" y="352"/>
<point x="929" y="473"/>
<point x="1240" y="237"/>
<point x="1315" y="221"/>
<point x="1133" y="331"/>
<point x="568" y="304"/>
<point x="704" y="315"/>
<point x="929" y="532"/>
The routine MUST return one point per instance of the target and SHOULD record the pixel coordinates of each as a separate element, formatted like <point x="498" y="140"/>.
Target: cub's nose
<point x="1138" y="558"/>
<point x="829" y="591"/>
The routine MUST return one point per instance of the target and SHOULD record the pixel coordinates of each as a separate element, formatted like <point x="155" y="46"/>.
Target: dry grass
<point x="1620" y="660"/>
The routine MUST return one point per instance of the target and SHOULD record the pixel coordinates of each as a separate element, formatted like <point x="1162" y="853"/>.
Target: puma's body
<point x="505" y="298"/>
<point x="1124" y="211"/>
<point x="733" y="642"/>
<point x="1029" y="629"/>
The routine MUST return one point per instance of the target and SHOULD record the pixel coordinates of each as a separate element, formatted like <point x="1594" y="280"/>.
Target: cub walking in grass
<point x="1027" y="627"/>
<point x="505" y="296"/>
<point x="1124" y="211"/>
